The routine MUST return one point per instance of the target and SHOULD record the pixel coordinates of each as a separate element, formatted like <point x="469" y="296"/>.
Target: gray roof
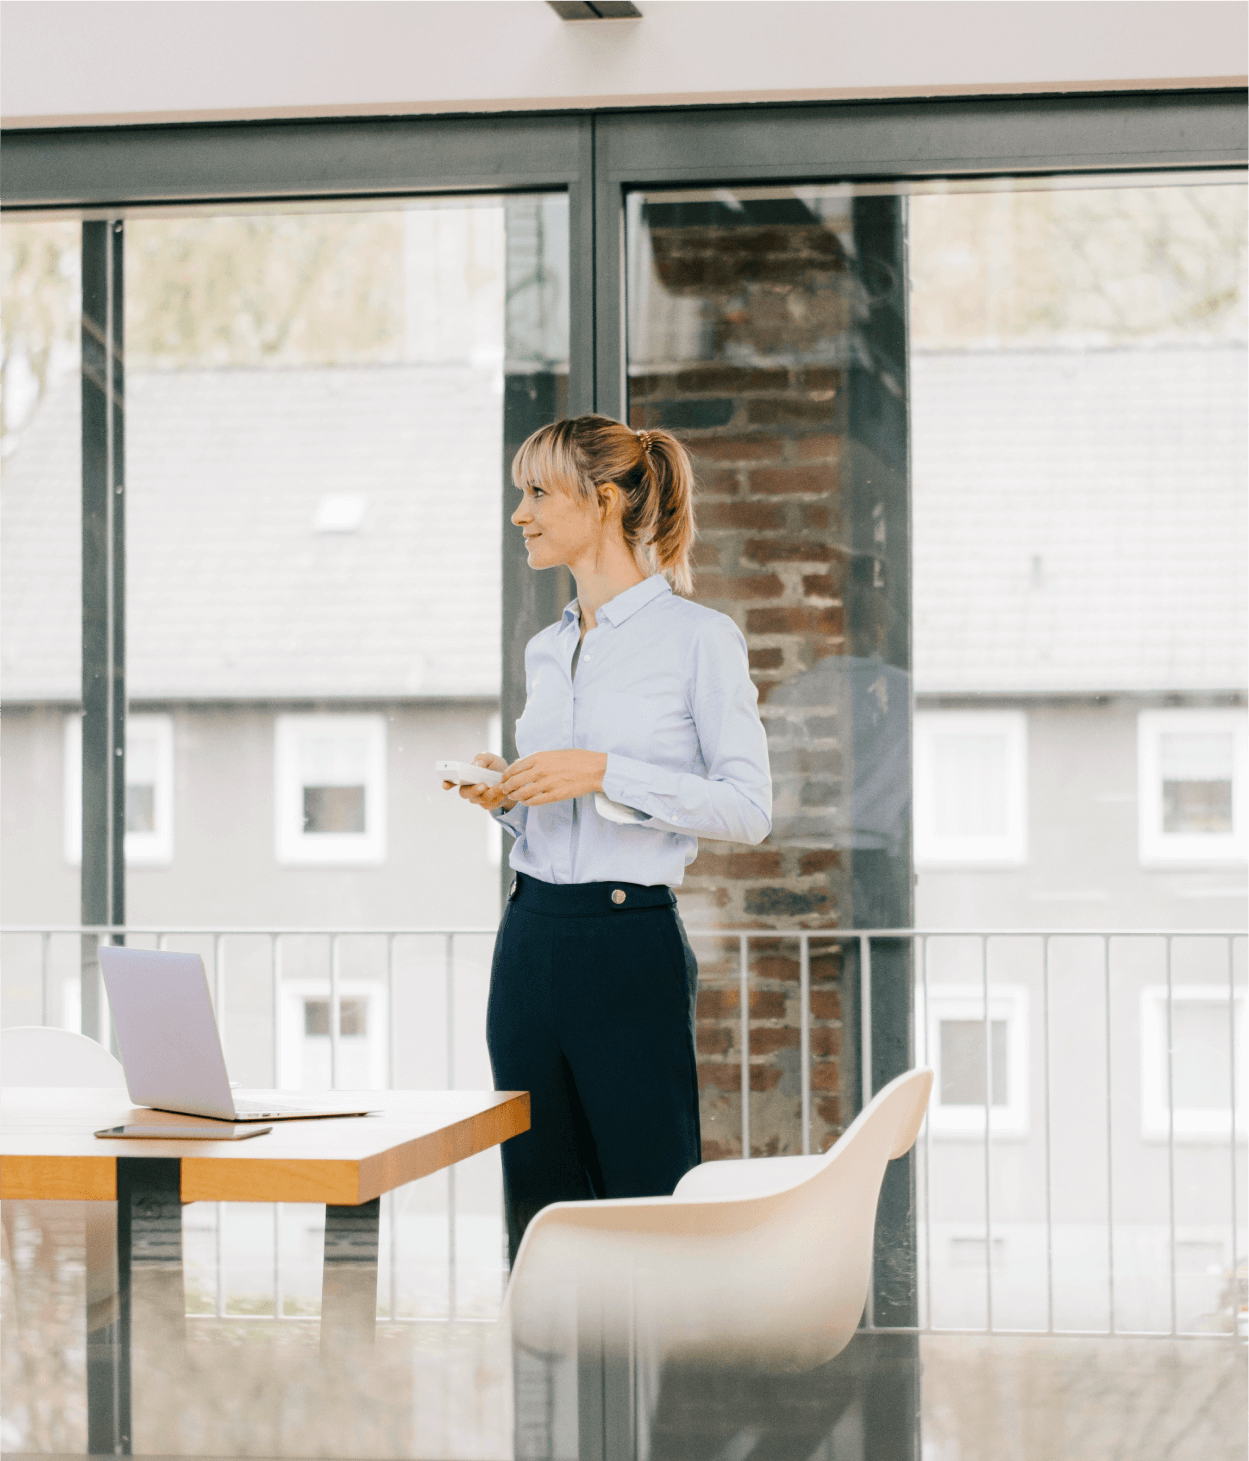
<point x="1080" y="525"/>
<point x="1080" y="520"/>
<point x="231" y="594"/>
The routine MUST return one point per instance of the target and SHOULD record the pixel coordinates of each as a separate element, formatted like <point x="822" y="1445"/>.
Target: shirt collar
<point x="623" y="606"/>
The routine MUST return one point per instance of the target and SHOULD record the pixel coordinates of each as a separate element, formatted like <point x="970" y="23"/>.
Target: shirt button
<point x="617" y="896"/>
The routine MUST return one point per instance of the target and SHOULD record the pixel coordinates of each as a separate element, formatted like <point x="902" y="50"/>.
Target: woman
<point x="640" y="734"/>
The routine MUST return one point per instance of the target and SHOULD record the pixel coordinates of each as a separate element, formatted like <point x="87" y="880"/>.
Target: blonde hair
<point x="651" y="468"/>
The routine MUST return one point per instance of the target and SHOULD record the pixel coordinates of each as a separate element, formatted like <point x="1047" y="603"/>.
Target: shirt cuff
<point x="650" y="789"/>
<point x="514" y="820"/>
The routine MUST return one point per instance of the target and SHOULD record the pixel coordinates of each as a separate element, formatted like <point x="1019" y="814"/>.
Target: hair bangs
<point x="549" y="458"/>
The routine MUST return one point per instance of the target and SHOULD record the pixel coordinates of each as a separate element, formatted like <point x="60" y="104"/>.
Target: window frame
<point x="1159" y="848"/>
<point x="597" y="156"/>
<point x="292" y="846"/>
<point x="934" y="852"/>
<point x="1193" y="1124"/>
<point x="1008" y="1002"/>
<point x="291" y="1032"/>
<point x="142" y="849"/>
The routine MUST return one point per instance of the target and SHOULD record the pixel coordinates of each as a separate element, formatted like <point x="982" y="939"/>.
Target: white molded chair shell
<point x="39" y="1055"/>
<point x="761" y="1262"/>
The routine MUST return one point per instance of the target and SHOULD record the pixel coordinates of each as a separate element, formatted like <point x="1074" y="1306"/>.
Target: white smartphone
<point x="180" y="1131"/>
<point x="467" y="774"/>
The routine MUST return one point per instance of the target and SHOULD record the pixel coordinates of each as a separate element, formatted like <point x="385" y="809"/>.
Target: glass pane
<point x="970" y="791"/>
<point x="315" y="440"/>
<point x="1201" y="1056"/>
<point x="962" y="1062"/>
<point x="1197" y="806"/>
<point x="40" y="586"/>
<point x="334" y="809"/>
<point x="1192" y="756"/>
<point x="765" y="328"/>
<point x="1197" y="774"/>
<point x="140" y="806"/>
<point x="1078" y="457"/>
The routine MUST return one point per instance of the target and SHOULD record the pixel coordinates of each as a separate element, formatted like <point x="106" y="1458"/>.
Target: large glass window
<point x="972" y="482"/>
<point x="1077" y="382"/>
<point x="40" y="601"/>
<point x="766" y="328"/>
<point x="320" y="409"/>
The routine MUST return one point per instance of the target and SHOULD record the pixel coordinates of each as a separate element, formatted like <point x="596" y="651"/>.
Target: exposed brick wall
<point x="768" y="441"/>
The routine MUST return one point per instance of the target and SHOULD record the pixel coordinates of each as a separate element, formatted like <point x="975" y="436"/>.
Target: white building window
<point x="954" y="1029"/>
<point x="971" y="788"/>
<point x="331" y="789"/>
<point x="305" y="1036"/>
<point x="149" y="790"/>
<point x="1191" y="765"/>
<point x="1201" y="1062"/>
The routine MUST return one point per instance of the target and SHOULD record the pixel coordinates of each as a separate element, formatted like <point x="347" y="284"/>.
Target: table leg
<point x="106" y="1375"/>
<point x="349" y="1278"/>
<point x="134" y="1266"/>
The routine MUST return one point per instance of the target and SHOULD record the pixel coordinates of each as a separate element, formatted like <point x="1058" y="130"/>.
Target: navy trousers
<point x="591" y="1011"/>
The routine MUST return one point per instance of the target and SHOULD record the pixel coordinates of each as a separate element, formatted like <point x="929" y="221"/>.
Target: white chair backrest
<point x="775" y="1277"/>
<point x="38" y="1055"/>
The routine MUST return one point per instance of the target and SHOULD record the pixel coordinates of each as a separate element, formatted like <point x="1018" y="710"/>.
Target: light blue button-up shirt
<point x="663" y="686"/>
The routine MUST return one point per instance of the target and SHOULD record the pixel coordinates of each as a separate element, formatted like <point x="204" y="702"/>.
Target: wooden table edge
<point x="335" y="1180"/>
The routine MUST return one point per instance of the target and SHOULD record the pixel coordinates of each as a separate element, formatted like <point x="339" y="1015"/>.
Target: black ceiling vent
<point x="595" y="9"/>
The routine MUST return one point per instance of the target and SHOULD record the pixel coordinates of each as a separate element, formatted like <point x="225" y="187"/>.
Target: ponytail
<point x="652" y="470"/>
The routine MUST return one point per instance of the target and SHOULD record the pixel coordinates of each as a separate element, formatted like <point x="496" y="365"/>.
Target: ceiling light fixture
<point x="595" y="9"/>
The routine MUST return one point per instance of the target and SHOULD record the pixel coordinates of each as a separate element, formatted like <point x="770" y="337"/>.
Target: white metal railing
<point x="919" y="942"/>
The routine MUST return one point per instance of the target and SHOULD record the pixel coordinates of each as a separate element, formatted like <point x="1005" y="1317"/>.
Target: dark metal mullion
<point x="103" y="891"/>
<point x="582" y="277"/>
<point x="609" y="280"/>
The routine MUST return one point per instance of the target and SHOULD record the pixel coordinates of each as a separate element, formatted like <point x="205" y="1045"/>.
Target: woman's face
<point x="558" y="527"/>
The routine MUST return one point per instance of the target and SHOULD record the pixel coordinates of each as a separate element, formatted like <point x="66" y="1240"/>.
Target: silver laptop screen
<point x="166" y="1032"/>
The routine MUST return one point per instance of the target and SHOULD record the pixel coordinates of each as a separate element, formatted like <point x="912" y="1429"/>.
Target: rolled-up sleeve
<point x="733" y="801"/>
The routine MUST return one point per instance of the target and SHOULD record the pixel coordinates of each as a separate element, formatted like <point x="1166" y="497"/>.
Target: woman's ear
<point x="610" y="500"/>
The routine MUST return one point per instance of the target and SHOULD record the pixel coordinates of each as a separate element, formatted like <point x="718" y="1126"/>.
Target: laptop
<point x="169" y="1045"/>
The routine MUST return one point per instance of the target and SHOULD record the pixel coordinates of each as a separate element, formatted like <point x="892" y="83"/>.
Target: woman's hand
<point x="486" y="797"/>
<point x="554" y="776"/>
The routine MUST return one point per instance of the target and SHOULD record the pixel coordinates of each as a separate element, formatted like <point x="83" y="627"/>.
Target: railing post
<point x="278" y="1301"/>
<point x="988" y="1137"/>
<point x="449" y="984"/>
<point x="449" y="975"/>
<point x="394" y="1257"/>
<point x="923" y="974"/>
<point x="336" y="1005"/>
<point x="865" y="1020"/>
<point x="804" y="1036"/>
<point x="1110" y="1168"/>
<point x="219" y="989"/>
<point x="743" y="998"/>
<point x="390" y="1014"/>
<point x="1171" y="1136"/>
<point x="1231" y="1025"/>
<point x="218" y="1246"/>
<point x="275" y="995"/>
<point x="45" y="1005"/>
<point x="1049" y="1163"/>
<point x="865" y="1087"/>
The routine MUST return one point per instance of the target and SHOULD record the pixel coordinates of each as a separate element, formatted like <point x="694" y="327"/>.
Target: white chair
<point x="763" y="1263"/>
<point x="38" y="1055"/>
